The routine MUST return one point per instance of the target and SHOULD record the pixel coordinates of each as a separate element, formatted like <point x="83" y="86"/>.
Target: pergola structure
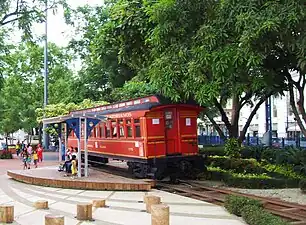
<point x="74" y="121"/>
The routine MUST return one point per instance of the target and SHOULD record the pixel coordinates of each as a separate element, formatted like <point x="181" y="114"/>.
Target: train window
<point x="129" y="131"/>
<point x="128" y="121"/>
<point x="108" y="130"/>
<point x="102" y="131"/>
<point x="114" y="128"/>
<point x="96" y="132"/>
<point x="121" y="133"/>
<point x="120" y="121"/>
<point x="137" y="130"/>
<point x="136" y="120"/>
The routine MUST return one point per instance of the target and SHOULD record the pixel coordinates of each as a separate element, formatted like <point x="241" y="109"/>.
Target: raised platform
<point x="97" y="180"/>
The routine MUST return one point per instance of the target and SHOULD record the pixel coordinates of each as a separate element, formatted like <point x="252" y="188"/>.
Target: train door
<point x="171" y="128"/>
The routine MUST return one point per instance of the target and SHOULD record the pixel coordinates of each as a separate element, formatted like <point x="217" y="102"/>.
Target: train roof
<point x="137" y="104"/>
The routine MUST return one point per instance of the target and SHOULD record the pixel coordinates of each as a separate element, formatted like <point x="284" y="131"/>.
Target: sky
<point x="58" y="31"/>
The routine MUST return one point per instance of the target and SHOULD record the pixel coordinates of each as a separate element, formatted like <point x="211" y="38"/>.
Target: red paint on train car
<point x="143" y="129"/>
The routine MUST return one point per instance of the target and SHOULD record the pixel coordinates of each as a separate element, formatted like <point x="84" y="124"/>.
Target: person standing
<point x="35" y="158"/>
<point x="18" y="148"/>
<point x="39" y="153"/>
<point x="74" y="169"/>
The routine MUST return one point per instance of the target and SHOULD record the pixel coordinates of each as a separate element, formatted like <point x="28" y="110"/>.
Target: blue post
<point x="269" y="120"/>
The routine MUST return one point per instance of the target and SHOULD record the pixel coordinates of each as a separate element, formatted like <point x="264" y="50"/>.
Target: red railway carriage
<point x="154" y="136"/>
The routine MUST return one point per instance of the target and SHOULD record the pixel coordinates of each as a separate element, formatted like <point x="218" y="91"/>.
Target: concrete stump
<point x="98" y="203"/>
<point x="151" y="200"/>
<point x="160" y="214"/>
<point x="41" y="204"/>
<point x="6" y="214"/>
<point x="54" y="220"/>
<point x="84" y="211"/>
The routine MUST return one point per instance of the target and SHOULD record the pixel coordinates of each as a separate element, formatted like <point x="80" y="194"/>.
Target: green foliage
<point x="53" y="110"/>
<point x="4" y="154"/>
<point x="133" y="89"/>
<point x="232" y="147"/>
<point x="235" y="204"/>
<point x="302" y="185"/>
<point x="212" y="150"/>
<point x="281" y="171"/>
<point x="255" y="215"/>
<point x="23" y="85"/>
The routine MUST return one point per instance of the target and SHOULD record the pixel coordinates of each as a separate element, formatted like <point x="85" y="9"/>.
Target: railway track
<point x="293" y="212"/>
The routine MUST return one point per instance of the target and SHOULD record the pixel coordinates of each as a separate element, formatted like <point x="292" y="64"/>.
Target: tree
<point x="274" y="31"/>
<point x="133" y="89"/>
<point x="23" y="87"/>
<point x="100" y="46"/>
<point x="24" y="12"/>
<point x="190" y="50"/>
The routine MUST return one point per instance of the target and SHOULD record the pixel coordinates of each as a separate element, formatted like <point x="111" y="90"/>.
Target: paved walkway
<point x="124" y="208"/>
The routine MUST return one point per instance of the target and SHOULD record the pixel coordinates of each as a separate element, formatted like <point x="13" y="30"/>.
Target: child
<point x="74" y="169"/>
<point x="35" y="158"/>
<point x="24" y="156"/>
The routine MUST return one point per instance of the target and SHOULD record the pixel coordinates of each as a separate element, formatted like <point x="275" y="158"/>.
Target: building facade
<point x="283" y="122"/>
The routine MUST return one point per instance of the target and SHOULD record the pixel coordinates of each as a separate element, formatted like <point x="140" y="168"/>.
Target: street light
<point x="45" y="135"/>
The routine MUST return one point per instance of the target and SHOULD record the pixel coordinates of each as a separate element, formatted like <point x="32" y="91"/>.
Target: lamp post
<point x="45" y="135"/>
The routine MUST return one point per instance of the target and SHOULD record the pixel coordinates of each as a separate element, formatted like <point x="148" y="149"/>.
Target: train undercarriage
<point x="158" y="168"/>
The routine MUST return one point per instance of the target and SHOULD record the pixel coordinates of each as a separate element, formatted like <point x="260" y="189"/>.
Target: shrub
<point x="254" y="181"/>
<point x="281" y="171"/>
<point x="302" y="185"/>
<point x="234" y="204"/>
<point x="213" y="150"/>
<point x="232" y="148"/>
<point x="237" y="165"/>
<point x="4" y="154"/>
<point x="253" y="152"/>
<point x="256" y="215"/>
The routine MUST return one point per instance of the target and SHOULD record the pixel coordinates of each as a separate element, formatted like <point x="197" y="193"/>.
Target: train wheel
<point x="186" y="168"/>
<point x="140" y="170"/>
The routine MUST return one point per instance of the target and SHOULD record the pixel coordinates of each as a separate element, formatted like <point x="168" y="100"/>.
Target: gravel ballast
<point x="290" y="194"/>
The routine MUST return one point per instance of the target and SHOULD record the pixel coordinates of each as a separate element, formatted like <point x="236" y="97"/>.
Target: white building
<point x="284" y="124"/>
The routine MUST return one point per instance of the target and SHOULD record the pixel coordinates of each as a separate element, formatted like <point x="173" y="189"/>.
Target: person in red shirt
<point x="40" y="150"/>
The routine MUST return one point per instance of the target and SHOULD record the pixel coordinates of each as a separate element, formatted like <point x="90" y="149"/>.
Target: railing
<point x="254" y="141"/>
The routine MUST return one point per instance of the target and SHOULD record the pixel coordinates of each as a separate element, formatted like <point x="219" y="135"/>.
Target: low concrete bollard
<point x="160" y="214"/>
<point x="41" y="204"/>
<point x="84" y="211"/>
<point x="54" y="220"/>
<point x="98" y="203"/>
<point x="6" y="214"/>
<point x="151" y="200"/>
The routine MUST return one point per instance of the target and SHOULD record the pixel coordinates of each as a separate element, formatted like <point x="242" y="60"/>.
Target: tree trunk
<point x="6" y="141"/>
<point x="253" y="113"/>
<point x="216" y="126"/>
<point x="235" y="117"/>
<point x="40" y="133"/>
<point x="295" y="110"/>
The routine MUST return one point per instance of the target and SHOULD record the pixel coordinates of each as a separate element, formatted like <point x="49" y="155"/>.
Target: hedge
<point x="251" y="211"/>
<point x="235" y="204"/>
<point x="212" y="150"/>
<point x="4" y="154"/>
<point x="302" y="185"/>
<point x="251" y="181"/>
<point x="254" y="215"/>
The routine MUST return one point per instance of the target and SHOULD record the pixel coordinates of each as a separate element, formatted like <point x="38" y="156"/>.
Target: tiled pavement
<point x="123" y="207"/>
